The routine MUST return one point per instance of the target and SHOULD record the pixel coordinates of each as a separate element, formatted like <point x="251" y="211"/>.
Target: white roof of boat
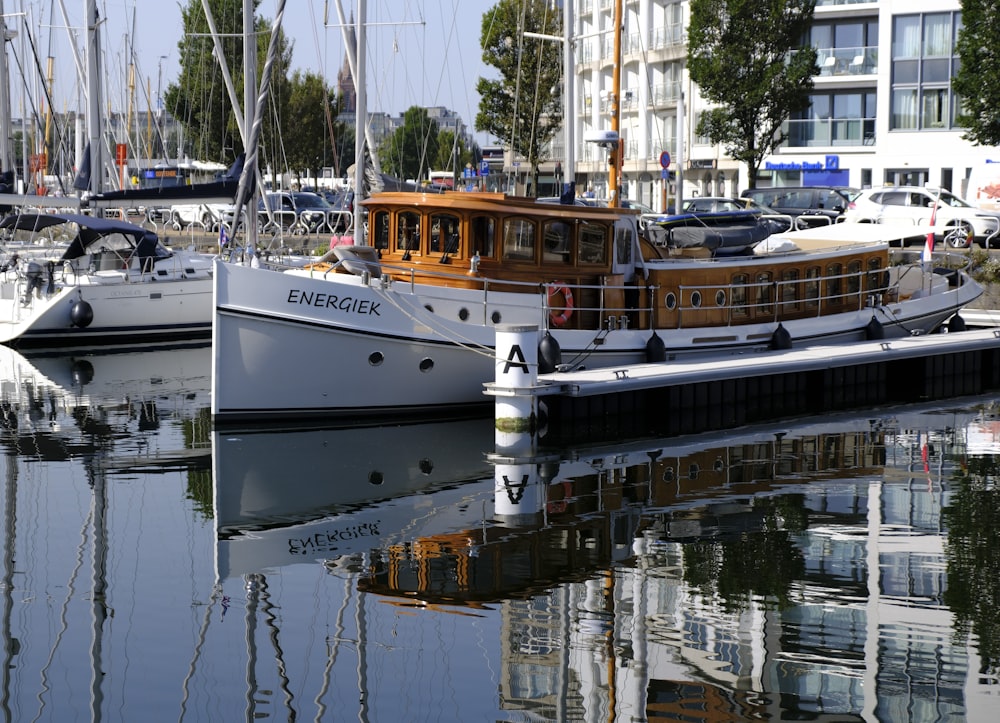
<point x="848" y="232"/>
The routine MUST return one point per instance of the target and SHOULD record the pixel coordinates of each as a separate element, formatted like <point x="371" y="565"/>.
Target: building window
<point x="923" y="64"/>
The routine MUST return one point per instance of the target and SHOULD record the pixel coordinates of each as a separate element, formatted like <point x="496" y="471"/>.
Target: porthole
<point x="375" y="477"/>
<point x="463" y="314"/>
<point x="426" y="466"/>
<point x="429" y="308"/>
<point x="668" y="474"/>
<point x="376" y="358"/>
<point x="693" y="471"/>
<point x="720" y="298"/>
<point x="495" y="317"/>
<point x="696" y="299"/>
<point x="670" y="300"/>
<point x="719" y="465"/>
<point x="426" y="364"/>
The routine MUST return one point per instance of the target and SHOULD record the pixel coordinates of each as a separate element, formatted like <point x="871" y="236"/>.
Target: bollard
<point x="516" y="376"/>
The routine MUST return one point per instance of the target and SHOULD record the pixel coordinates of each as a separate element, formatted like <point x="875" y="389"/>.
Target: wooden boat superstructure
<point x="597" y="269"/>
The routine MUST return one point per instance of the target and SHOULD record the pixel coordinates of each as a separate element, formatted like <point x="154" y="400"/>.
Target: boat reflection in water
<point x="126" y="395"/>
<point x="778" y="572"/>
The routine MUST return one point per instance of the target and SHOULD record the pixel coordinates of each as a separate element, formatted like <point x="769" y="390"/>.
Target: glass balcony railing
<point x="847" y="61"/>
<point x="830" y="132"/>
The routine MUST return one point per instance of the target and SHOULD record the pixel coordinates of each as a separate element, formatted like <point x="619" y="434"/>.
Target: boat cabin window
<point x="408" y="232"/>
<point x="519" y="239"/>
<point x="623" y="246"/>
<point x="593" y="243"/>
<point x="835" y="283"/>
<point x="380" y="230"/>
<point x="789" y="293"/>
<point x="876" y="280"/>
<point x="765" y="298"/>
<point x="812" y="287"/>
<point x="484" y="233"/>
<point x="739" y="296"/>
<point x="854" y="278"/>
<point x="444" y="233"/>
<point x="556" y="240"/>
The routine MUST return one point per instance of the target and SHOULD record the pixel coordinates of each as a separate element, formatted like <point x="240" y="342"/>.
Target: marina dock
<point x="689" y="396"/>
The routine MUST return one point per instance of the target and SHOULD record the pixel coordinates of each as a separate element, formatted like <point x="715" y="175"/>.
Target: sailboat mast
<point x="361" y="119"/>
<point x="94" y="98"/>
<point x="615" y="154"/>
<point x="569" y="119"/>
<point x="6" y="157"/>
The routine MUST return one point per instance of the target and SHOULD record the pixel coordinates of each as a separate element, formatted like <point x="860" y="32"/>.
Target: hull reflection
<point x="772" y="572"/>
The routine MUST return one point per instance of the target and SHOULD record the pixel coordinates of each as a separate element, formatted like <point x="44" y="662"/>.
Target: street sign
<point x="665" y="159"/>
<point x="484" y="168"/>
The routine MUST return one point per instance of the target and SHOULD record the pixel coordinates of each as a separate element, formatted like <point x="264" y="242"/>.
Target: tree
<point x="198" y="99"/>
<point x="524" y="107"/>
<point x="452" y="153"/>
<point x="750" y="58"/>
<point x="305" y="134"/>
<point x="977" y="78"/>
<point x="409" y="151"/>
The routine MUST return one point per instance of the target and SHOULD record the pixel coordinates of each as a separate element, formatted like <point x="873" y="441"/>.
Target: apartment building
<point x="882" y="107"/>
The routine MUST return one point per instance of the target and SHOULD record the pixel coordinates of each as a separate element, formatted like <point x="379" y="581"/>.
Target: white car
<point x="960" y="223"/>
<point x="207" y="215"/>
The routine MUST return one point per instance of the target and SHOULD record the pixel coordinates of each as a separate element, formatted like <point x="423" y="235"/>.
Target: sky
<point x="421" y="52"/>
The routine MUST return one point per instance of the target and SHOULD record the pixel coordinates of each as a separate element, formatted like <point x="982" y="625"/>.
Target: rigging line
<point x="320" y="60"/>
<point x="48" y="94"/>
<point x="457" y="339"/>
<point x="70" y="592"/>
<point x="202" y="637"/>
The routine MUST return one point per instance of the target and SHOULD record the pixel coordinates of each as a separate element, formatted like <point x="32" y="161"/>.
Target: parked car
<point x="207" y="215"/>
<point x="816" y="205"/>
<point x="777" y="222"/>
<point x="958" y="221"/>
<point x="295" y="211"/>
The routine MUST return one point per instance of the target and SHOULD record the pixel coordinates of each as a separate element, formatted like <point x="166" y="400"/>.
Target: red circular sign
<point x="665" y="159"/>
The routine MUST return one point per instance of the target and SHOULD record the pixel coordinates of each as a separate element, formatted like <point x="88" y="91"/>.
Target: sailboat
<point x="404" y="321"/>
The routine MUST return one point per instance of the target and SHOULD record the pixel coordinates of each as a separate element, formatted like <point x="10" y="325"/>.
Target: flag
<point x="223" y="236"/>
<point x="929" y="244"/>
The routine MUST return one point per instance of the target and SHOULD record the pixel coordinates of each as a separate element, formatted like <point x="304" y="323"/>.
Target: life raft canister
<point x="560" y="315"/>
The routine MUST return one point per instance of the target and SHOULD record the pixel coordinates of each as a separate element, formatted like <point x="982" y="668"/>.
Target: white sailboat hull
<point x="291" y="344"/>
<point x="123" y="312"/>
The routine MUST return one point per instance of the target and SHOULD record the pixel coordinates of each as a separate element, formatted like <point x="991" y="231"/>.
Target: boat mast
<point x="615" y="154"/>
<point x="569" y="120"/>
<point x="361" y="119"/>
<point x="6" y="157"/>
<point x="94" y="98"/>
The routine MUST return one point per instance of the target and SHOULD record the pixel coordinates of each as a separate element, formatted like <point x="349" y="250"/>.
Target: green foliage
<point x="524" y="107"/>
<point x="973" y="556"/>
<point x="308" y="121"/>
<point x="411" y="148"/>
<point x="748" y="57"/>
<point x="452" y="155"/>
<point x="758" y="563"/>
<point x="978" y="78"/>
<point x="198" y="99"/>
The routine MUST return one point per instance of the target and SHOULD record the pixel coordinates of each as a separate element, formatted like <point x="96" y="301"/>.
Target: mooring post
<point x="517" y="491"/>
<point x="516" y="378"/>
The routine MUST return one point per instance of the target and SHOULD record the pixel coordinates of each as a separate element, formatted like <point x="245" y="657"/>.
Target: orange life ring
<point x="559" y="316"/>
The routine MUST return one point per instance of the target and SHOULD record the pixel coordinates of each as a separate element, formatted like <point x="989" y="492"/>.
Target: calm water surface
<point x="154" y="570"/>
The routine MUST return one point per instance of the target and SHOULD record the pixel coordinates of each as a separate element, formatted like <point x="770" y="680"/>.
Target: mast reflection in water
<point x="153" y="569"/>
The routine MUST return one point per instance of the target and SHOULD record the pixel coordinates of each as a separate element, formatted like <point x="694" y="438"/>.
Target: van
<point x="824" y="204"/>
<point x="984" y="185"/>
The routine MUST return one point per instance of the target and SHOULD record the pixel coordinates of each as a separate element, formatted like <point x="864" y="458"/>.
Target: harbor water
<point x="156" y="569"/>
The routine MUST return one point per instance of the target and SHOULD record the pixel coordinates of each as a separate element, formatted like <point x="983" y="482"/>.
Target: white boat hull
<point x="124" y="310"/>
<point x="295" y="345"/>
